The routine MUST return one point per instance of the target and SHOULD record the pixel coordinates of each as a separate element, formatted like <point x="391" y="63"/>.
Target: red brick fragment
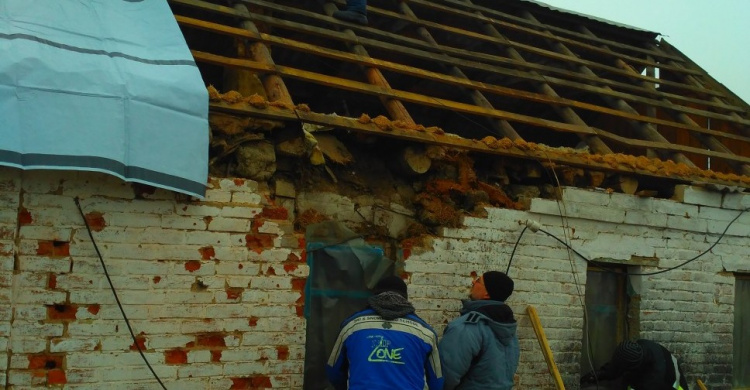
<point x="141" y="343"/>
<point x="56" y="377"/>
<point x="211" y="340"/>
<point x="64" y="312"/>
<point x="207" y="252"/>
<point x="254" y="382"/>
<point x="53" y="248"/>
<point x="270" y="271"/>
<point x="52" y="282"/>
<point x="193" y="265"/>
<point x="215" y="356"/>
<point x="252" y="321"/>
<point x="96" y="221"/>
<point x="273" y="212"/>
<point x="175" y="356"/>
<point x="44" y="361"/>
<point x="234" y="292"/>
<point x="24" y="217"/>
<point x="94" y="309"/>
<point x="298" y="284"/>
<point x="260" y="241"/>
<point x="157" y="279"/>
<point x="282" y="352"/>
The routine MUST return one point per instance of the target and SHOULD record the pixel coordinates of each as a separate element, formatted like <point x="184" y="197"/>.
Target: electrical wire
<point x="114" y="292"/>
<point x="655" y="272"/>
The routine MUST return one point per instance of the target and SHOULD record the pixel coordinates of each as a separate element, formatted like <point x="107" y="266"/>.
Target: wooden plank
<point x="555" y="155"/>
<point x="536" y="323"/>
<point x="439" y="57"/>
<point x="439" y="77"/>
<point x="450" y="105"/>
<point x="472" y="54"/>
<point x="503" y="16"/>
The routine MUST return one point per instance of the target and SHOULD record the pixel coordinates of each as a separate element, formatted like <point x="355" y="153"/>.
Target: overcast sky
<point x="715" y="34"/>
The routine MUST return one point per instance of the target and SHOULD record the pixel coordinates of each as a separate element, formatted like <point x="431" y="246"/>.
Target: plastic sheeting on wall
<point x="102" y="85"/>
<point x="343" y="270"/>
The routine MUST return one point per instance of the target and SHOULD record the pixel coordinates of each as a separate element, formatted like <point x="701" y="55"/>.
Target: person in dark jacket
<point x="480" y="348"/>
<point x="386" y="346"/>
<point x="643" y="365"/>
<point x="355" y="12"/>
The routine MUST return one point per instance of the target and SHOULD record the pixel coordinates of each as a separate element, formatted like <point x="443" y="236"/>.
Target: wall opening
<point x="606" y="324"/>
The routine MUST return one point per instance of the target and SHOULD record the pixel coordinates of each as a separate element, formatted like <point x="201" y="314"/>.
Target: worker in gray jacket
<point x="480" y="348"/>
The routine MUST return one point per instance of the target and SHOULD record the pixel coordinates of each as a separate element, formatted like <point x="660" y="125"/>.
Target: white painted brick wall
<point x="189" y="271"/>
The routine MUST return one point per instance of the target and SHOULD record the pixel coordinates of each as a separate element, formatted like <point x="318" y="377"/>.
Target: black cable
<point x="655" y="272"/>
<point x="117" y="299"/>
<point x="514" y="248"/>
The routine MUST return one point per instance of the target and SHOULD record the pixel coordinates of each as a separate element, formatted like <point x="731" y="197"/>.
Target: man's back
<point x="386" y="354"/>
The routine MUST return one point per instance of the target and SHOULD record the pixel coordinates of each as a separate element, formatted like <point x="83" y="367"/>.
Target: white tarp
<point x="102" y="85"/>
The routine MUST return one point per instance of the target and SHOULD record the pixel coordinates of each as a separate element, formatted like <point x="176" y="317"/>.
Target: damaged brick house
<point x="598" y="165"/>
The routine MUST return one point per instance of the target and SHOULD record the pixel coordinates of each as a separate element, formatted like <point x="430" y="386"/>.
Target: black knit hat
<point x="499" y="286"/>
<point x="629" y="354"/>
<point x="391" y="283"/>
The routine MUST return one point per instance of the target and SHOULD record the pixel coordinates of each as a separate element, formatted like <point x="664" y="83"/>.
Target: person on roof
<point x="355" y="12"/>
<point x="644" y="365"/>
<point x="480" y="348"/>
<point x="386" y="346"/>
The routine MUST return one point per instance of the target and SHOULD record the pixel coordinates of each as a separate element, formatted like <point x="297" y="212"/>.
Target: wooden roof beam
<point x="594" y="142"/>
<point x="395" y="108"/>
<point x="501" y="126"/>
<point x="429" y="54"/>
<point x="438" y="77"/>
<point x="275" y="88"/>
<point x="453" y="105"/>
<point x="707" y="140"/>
<point x="645" y="130"/>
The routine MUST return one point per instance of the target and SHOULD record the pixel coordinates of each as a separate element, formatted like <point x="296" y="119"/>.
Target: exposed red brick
<point x="207" y="219"/>
<point x="65" y="312"/>
<point x="273" y="212"/>
<point x="270" y="271"/>
<point x="260" y="241"/>
<point x="251" y="383"/>
<point x="190" y="345"/>
<point x="56" y="377"/>
<point x="240" y="266"/>
<point x="290" y="267"/>
<point x="473" y="274"/>
<point x="96" y="221"/>
<point x="207" y="252"/>
<point x="292" y="258"/>
<point x="304" y="257"/>
<point x="44" y="361"/>
<point x="52" y="248"/>
<point x="52" y="282"/>
<point x="141" y="343"/>
<point x="234" y="292"/>
<point x="406" y="253"/>
<point x="175" y="356"/>
<point x="300" y="305"/>
<point x="282" y="352"/>
<point x="157" y="279"/>
<point x="239" y="182"/>
<point x="216" y="356"/>
<point x="94" y="309"/>
<point x="192" y="265"/>
<point x="252" y="321"/>
<point x="211" y="340"/>
<point x="298" y="284"/>
<point x="24" y="217"/>
<point x="301" y="242"/>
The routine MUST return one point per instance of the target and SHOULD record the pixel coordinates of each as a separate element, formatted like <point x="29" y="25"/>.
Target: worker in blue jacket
<point x="386" y="346"/>
<point x="480" y="349"/>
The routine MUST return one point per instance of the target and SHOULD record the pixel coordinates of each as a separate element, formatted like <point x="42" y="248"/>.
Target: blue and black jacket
<point x="373" y="353"/>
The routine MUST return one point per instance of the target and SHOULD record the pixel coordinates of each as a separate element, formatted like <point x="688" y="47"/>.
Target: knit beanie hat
<point x="499" y="286"/>
<point x="630" y="354"/>
<point x="391" y="283"/>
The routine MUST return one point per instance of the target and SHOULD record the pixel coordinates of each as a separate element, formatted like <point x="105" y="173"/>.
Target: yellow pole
<point x="701" y="385"/>
<point x="537" y="324"/>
